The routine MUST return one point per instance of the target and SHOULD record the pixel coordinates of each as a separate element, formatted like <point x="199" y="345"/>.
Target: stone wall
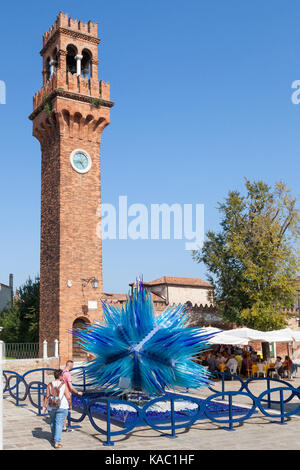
<point x="24" y="365"/>
<point x="195" y="295"/>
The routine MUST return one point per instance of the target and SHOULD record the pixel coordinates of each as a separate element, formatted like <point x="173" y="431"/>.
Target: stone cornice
<point x="72" y="34"/>
<point x="71" y="96"/>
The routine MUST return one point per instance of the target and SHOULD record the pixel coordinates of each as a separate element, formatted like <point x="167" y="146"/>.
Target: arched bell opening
<point x="86" y="63"/>
<point x="47" y="68"/>
<point x="71" y="60"/>
<point x="54" y="62"/>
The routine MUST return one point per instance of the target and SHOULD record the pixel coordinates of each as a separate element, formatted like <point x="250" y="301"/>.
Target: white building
<point x="180" y="290"/>
<point x="6" y="293"/>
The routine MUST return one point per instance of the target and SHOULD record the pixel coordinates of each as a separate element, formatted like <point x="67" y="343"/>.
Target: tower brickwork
<point x="69" y="114"/>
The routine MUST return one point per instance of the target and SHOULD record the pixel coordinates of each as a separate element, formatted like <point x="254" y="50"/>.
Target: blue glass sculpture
<point x="153" y="352"/>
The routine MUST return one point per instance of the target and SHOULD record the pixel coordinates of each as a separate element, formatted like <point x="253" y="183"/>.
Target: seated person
<point x="212" y="363"/>
<point x="239" y="360"/>
<point x="246" y="365"/>
<point x="278" y="368"/>
<point x="288" y="365"/>
<point x="221" y="359"/>
<point x="231" y="364"/>
<point x="254" y="357"/>
<point x="204" y="361"/>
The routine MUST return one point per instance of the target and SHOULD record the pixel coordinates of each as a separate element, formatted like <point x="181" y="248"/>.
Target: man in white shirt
<point x="232" y="364"/>
<point x="277" y="367"/>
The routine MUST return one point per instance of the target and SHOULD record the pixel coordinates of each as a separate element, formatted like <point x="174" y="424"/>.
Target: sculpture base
<point x="159" y="413"/>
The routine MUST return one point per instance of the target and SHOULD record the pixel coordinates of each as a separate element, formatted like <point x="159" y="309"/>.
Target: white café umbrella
<point x="222" y="337"/>
<point x="242" y="336"/>
<point x="286" y="335"/>
<point x="248" y="333"/>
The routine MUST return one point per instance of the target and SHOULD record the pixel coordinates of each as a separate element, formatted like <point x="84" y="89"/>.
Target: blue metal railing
<point x="13" y="381"/>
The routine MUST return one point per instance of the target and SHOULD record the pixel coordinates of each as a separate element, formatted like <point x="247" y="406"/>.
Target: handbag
<point x="54" y="400"/>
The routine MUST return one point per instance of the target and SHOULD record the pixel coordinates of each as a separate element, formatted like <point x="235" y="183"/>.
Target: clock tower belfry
<point x="69" y="114"/>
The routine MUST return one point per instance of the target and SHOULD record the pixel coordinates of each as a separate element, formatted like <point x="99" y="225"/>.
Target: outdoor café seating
<point x="262" y="369"/>
<point x="254" y="370"/>
<point x="237" y="342"/>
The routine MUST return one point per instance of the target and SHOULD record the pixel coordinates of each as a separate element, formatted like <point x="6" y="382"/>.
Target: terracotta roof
<point x="179" y="281"/>
<point x="115" y="298"/>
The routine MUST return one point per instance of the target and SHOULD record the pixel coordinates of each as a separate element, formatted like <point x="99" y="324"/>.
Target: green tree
<point x="10" y="322"/>
<point x="20" y="321"/>
<point x="28" y="305"/>
<point x="253" y="260"/>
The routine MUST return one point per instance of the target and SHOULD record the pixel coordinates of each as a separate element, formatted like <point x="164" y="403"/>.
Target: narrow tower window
<point x="48" y="72"/>
<point x="71" y="61"/>
<point x="53" y="62"/>
<point x="86" y="63"/>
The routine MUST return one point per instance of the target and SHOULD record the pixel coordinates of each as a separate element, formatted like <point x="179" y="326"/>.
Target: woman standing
<point x="58" y="403"/>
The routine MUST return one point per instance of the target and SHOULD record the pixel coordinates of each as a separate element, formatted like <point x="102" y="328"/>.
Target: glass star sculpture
<point x="153" y="353"/>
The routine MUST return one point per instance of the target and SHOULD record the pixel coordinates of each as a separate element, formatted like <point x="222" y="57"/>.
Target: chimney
<point x="11" y="285"/>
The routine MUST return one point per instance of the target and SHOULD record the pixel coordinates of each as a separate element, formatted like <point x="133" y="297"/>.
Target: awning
<point x="248" y="333"/>
<point x="222" y="337"/>
<point x="244" y="335"/>
<point x="285" y="335"/>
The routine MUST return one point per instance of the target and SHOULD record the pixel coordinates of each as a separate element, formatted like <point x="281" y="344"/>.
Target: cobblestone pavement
<point x="24" y="430"/>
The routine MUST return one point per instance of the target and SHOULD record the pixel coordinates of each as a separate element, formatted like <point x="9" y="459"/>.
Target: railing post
<point x="230" y="413"/>
<point x="108" y="441"/>
<point x="84" y="380"/>
<point x="39" y="399"/>
<point x="1" y="396"/>
<point x="269" y="395"/>
<point x="173" y="422"/>
<point x="282" y="408"/>
<point x="69" y="420"/>
<point x="223" y="384"/>
<point x="56" y="348"/>
<point x="17" y="387"/>
<point x="45" y="350"/>
<point x="69" y="425"/>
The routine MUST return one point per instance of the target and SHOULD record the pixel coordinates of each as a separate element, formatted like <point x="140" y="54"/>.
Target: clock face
<point x="81" y="161"/>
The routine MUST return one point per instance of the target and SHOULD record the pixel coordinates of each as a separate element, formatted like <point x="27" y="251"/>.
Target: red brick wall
<point x="70" y="246"/>
<point x="71" y="249"/>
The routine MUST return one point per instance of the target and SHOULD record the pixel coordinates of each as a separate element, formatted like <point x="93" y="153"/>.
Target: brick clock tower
<point x="69" y="114"/>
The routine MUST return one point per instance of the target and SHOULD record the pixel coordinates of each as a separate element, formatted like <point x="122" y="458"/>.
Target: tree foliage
<point x="20" y="321"/>
<point x="10" y="322"/>
<point x="253" y="260"/>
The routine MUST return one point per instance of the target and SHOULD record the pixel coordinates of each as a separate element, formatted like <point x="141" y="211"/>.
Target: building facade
<point x="6" y="293"/>
<point x="167" y="291"/>
<point x="179" y="290"/>
<point x="70" y="112"/>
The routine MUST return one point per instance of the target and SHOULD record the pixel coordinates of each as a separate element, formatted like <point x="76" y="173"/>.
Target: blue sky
<point x="202" y="93"/>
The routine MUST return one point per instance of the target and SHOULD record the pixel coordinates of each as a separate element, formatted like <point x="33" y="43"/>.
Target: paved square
<point x="23" y="429"/>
